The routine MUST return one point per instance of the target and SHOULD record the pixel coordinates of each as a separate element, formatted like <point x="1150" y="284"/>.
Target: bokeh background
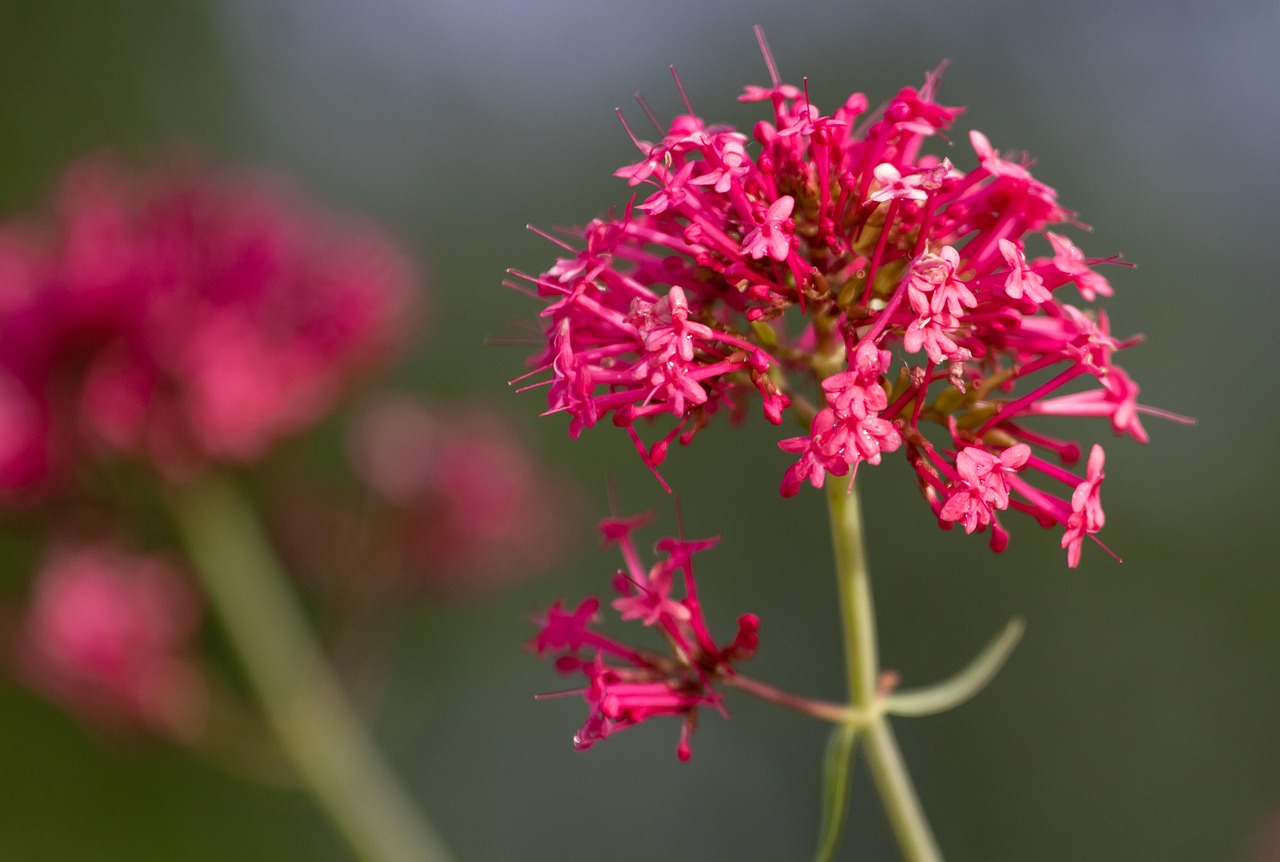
<point x="1138" y="718"/>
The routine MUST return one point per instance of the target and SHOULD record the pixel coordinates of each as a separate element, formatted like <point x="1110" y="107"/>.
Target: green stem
<point x="857" y="616"/>
<point x="910" y="828"/>
<point x="901" y="804"/>
<point x="315" y="724"/>
<point x="952" y="692"/>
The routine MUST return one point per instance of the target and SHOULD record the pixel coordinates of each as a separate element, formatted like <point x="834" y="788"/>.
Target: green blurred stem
<point x="315" y="724"/>
<point x="902" y="807"/>
<point x="954" y="691"/>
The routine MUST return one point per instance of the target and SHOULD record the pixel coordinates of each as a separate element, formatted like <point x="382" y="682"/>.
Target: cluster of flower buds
<point x="625" y="685"/>
<point x="873" y="291"/>
<point x="181" y="317"/>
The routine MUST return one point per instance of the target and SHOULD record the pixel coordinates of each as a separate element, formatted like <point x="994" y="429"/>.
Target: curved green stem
<point x="956" y="690"/>
<point x="906" y="817"/>
<point x="315" y="725"/>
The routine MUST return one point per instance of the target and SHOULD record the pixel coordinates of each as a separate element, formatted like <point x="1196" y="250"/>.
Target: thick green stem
<point x="901" y="804"/>
<point x="315" y="724"/>
<point x="915" y="839"/>
<point x="857" y="615"/>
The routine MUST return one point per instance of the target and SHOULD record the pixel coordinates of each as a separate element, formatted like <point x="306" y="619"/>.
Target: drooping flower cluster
<point x="627" y="685"/>
<point x="180" y="317"/>
<point x="829" y="265"/>
<point x="109" y="635"/>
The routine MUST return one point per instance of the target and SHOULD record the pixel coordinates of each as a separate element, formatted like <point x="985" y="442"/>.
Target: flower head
<point x="181" y="317"/>
<point x="624" y="685"/>
<point x="108" y="635"/>
<point x="836" y="269"/>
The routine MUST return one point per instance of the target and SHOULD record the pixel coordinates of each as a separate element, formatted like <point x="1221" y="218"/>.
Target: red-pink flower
<point x="624" y="685"/>
<point x="982" y="486"/>
<point x="1086" y="510"/>
<point x="109" y="635"/>
<point x="821" y="239"/>
<point x="182" y="316"/>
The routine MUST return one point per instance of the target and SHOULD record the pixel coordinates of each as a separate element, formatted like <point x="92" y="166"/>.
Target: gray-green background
<point x="1138" y="719"/>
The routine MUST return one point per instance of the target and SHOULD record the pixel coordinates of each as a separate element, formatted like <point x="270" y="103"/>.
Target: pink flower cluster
<point x="180" y="317"/>
<point x="830" y="266"/>
<point x="467" y="506"/>
<point x="625" y="685"/>
<point x="108" y="635"/>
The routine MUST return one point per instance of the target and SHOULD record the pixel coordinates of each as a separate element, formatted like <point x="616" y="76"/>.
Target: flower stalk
<point x="857" y="615"/>
<point x="316" y="726"/>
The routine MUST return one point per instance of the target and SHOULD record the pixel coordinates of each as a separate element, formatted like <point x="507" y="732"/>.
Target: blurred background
<point x="1137" y="720"/>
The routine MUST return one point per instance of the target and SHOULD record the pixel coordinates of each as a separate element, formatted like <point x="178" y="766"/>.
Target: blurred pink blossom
<point x="470" y="508"/>
<point x="107" y="635"/>
<point x="182" y="316"/>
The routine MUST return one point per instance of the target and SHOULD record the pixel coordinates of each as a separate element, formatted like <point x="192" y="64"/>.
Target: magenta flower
<point x="878" y="293"/>
<point x="624" y="685"/>
<point x="109" y="636"/>
<point x="182" y="317"/>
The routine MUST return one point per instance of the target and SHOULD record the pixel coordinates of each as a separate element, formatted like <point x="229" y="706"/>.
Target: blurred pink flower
<point x="181" y="317"/>
<point x="470" y="508"/>
<point x="107" y="635"/>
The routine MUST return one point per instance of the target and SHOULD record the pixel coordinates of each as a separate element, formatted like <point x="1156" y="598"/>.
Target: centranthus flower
<point x="181" y="317"/>
<point x="109" y="635"/>
<point x="885" y="297"/>
<point x="625" y="685"/>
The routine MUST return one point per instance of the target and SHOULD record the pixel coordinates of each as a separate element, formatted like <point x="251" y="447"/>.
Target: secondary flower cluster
<point x="625" y="685"/>
<point x="180" y="317"/>
<point x="829" y="266"/>
<point x="452" y="504"/>
<point x="110" y="636"/>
